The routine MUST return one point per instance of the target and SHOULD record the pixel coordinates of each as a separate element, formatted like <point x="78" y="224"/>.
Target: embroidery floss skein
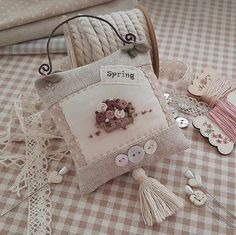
<point x="224" y="114"/>
<point x="217" y="90"/>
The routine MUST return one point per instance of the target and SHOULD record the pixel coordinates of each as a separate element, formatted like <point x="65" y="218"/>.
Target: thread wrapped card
<point x="114" y="119"/>
<point x="219" y="125"/>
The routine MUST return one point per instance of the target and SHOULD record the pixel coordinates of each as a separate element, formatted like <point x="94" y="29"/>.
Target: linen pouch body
<point x="113" y="117"/>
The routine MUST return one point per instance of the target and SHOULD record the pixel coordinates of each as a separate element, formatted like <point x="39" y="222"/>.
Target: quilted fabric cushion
<point x="113" y="117"/>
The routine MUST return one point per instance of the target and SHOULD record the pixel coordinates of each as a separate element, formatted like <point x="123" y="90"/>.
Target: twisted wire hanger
<point x="46" y="69"/>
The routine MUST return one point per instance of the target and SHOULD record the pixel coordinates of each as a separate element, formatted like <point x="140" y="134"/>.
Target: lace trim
<point x="32" y="125"/>
<point x="189" y="105"/>
<point x="40" y="203"/>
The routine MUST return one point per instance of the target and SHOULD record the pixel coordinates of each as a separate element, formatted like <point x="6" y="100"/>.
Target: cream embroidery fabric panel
<point x="79" y="110"/>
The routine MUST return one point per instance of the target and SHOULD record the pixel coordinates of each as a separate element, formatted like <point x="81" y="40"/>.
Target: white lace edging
<point x="35" y="128"/>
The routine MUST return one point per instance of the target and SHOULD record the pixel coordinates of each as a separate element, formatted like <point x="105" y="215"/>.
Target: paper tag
<point x="202" y="81"/>
<point x="119" y="74"/>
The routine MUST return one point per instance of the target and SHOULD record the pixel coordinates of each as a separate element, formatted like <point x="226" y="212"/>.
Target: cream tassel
<point x="156" y="201"/>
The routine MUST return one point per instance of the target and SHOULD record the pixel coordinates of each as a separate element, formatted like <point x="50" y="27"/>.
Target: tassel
<point x="156" y="201"/>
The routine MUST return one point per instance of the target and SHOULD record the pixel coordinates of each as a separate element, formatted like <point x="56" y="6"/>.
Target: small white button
<point x="167" y="97"/>
<point x="150" y="146"/>
<point x="182" y="122"/>
<point x="121" y="160"/>
<point x="136" y="154"/>
<point x="175" y="113"/>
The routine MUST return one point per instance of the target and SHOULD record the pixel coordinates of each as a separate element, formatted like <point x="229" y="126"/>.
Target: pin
<point x="198" y="198"/>
<point x="54" y="177"/>
<point x="189" y="190"/>
<point x="195" y="180"/>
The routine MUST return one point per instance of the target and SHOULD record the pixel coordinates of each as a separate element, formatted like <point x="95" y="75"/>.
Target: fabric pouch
<point x="113" y="116"/>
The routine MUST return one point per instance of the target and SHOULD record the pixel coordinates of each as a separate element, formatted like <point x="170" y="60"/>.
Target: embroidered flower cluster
<point x="114" y="114"/>
<point x="218" y="137"/>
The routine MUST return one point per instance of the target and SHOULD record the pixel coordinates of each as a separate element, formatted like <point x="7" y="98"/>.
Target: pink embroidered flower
<point x="114" y="114"/>
<point x="110" y="114"/>
<point x="118" y="122"/>
<point x="111" y="104"/>
<point x="123" y="104"/>
<point x="100" y="117"/>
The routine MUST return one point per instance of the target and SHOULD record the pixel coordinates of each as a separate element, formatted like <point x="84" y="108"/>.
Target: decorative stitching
<point x="59" y="118"/>
<point x="123" y="145"/>
<point x="151" y="77"/>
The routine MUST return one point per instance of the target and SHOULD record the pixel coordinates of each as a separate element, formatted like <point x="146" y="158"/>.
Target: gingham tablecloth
<point x="199" y="33"/>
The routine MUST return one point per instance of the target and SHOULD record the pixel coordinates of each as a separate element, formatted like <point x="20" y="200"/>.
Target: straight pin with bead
<point x="195" y="181"/>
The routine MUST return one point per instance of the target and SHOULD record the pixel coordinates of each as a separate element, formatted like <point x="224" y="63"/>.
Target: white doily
<point x="30" y="124"/>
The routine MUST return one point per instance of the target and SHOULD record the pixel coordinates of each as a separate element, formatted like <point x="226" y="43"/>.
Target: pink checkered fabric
<point x="199" y="33"/>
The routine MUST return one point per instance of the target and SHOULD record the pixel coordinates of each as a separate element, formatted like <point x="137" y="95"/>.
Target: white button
<point x="121" y="160"/>
<point x="167" y="97"/>
<point x="150" y="146"/>
<point x="136" y="154"/>
<point x="182" y="122"/>
<point x="175" y="113"/>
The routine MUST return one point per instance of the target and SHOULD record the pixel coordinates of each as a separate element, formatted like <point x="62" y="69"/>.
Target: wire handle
<point x="46" y="69"/>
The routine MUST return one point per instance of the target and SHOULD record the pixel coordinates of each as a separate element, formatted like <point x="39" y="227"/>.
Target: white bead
<point x="189" y="174"/>
<point x="54" y="177"/>
<point x="198" y="198"/>
<point x="188" y="190"/>
<point x="64" y="170"/>
<point x="196" y="182"/>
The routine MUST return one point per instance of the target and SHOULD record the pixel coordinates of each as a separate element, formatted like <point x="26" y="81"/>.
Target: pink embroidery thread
<point x="224" y="114"/>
